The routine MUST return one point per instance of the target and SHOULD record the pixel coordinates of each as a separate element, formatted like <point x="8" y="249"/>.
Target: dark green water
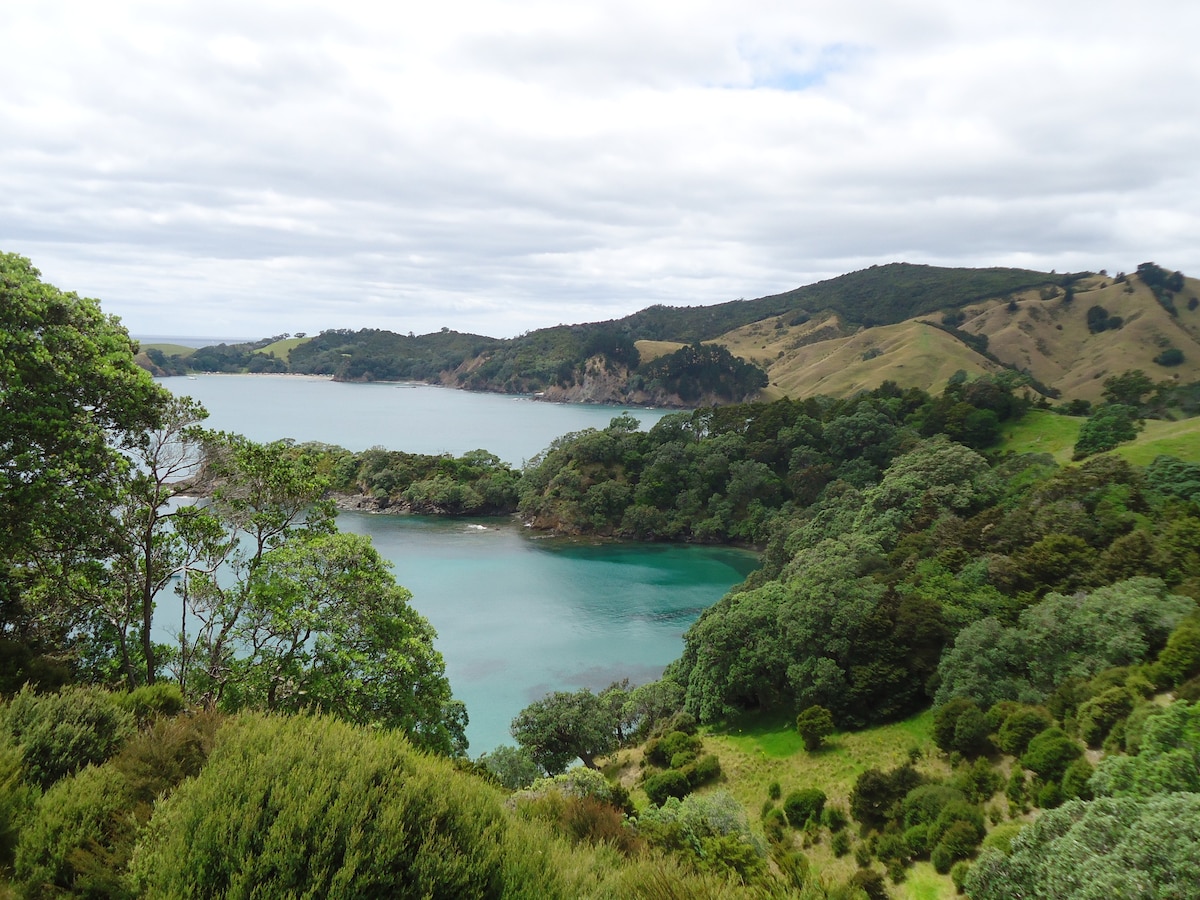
<point x="517" y="614"/>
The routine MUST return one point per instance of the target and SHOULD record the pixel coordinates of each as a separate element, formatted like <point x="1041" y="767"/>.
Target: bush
<point x="341" y="810"/>
<point x="1050" y="753"/>
<point x="840" y="843"/>
<point x="80" y="837"/>
<point x="664" y="785"/>
<point x="706" y="769"/>
<point x="1020" y="727"/>
<point x="663" y="751"/>
<point x="834" y="818"/>
<point x="804" y="805"/>
<point x="61" y="733"/>
<point x="814" y="725"/>
<point x="151" y="700"/>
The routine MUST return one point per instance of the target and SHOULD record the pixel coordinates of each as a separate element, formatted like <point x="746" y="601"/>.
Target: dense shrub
<point x="1050" y="753"/>
<point x="61" y="733"/>
<point x="339" y="809"/>
<point x="803" y="805"/>
<point x="672" y="783"/>
<point x="1020" y="727"/>
<point x="79" y="838"/>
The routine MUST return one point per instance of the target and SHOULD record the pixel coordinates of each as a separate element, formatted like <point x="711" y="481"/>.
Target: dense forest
<point x="303" y="737"/>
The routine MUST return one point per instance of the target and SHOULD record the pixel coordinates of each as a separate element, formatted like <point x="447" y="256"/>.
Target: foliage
<point x="1049" y="753"/>
<point x="1111" y="847"/>
<point x="804" y="805"/>
<point x="814" y="724"/>
<point x="60" y="733"/>
<point x="1167" y="761"/>
<point x="1110" y="425"/>
<point x="661" y="786"/>
<point x="713" y="825"/>
<point x="1058" y="638"/>
<point x="512" y="766"/>
<point x="338" y="809"/>
<point x="79" y="838"/>
<point x="564" y="726"/>
<point x="71" y="399"/>
<point x="329" y="630"/>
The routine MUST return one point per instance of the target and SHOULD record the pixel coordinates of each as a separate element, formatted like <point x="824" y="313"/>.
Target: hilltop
<point x="914" y="325"/>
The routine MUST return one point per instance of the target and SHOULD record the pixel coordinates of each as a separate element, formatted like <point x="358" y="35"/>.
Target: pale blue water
<point x="517" y="614"/>
<point x="416" y="418"/>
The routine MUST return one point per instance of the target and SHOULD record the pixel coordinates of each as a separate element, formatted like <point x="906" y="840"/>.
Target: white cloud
<point x="250" y="168"/>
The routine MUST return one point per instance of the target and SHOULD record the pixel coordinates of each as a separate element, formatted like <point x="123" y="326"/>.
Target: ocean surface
<point x="517" y="614"/>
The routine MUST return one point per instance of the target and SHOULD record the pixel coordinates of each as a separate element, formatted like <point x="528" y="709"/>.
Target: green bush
<point x="162" y="698"/>
<point x="1050" y="753"/>
<point x="17" y="799"/>
<point x="1020" y="727"/>
<point x="840" y="843"/>
<point x="705" y="770"/>
<point x="803" y="805"/>
<point x="664" y="785"/>
<point x="79" y="838"/>
<point x="61" y="733"/>
<point x="339" y="809"/>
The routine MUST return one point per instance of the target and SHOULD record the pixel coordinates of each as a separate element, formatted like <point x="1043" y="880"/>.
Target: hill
<point x="913" y="325"/>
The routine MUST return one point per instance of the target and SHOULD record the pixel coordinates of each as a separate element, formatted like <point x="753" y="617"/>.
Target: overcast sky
<point x="241" y="169"/>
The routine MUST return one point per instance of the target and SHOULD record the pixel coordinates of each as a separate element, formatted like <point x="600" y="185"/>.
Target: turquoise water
<point x="517" y="614"/>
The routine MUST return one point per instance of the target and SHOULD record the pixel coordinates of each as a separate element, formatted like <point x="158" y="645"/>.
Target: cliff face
<point x="617" y="386"/>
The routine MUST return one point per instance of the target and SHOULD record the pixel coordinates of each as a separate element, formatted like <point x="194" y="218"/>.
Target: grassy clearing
<point x="1039" y="431"/>
<point x="169" y="349"/>
<point x="1178" y="439"/>
<point x="282" y="348"/>
<point x="758" y="750"/>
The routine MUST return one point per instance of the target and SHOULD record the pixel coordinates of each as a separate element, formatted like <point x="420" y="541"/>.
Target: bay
<point x="518" y="614"/>
<point x="416" y="418"/>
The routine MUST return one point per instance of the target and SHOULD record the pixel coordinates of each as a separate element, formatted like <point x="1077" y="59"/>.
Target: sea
<point x="518" y="614"/>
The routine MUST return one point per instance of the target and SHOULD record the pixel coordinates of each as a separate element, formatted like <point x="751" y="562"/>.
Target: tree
<point x="1108" y="426"/>
<point x="563" y="726"/>
<point x="71" y="396"/>
<point x="814" y="724"/>
<point x="326" y="628"/>
<point x="1111" y="847"/>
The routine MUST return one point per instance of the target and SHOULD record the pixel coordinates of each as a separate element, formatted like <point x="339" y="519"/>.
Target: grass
<point x="1179" y="439"/>
<point x="169" y="349"/>
<point x="757" y="750"/>
<point x="282" y="348"/>
<point x="1039" y="431"/>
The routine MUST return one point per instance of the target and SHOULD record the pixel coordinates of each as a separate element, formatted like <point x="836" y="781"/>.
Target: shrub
<point x="1021" y="726"/>
<point x="342" y="810"/>
<point x="1050" y="753"/>
<point x="664" y="785"/>
<point x="80" y="837"/>
<point x="61" y="733"/>
<point x="814" y="725"/>
<point x="774" y="791"/>
<point x="706" y="769"/>
<point x="834" y="818"/>
<point x="840" y="843"/>
<point x="151" y="700"/>
<point x="804" y="805"/>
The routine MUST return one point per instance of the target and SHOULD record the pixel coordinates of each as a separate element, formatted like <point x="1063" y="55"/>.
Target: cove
<point x="518" y="614"/>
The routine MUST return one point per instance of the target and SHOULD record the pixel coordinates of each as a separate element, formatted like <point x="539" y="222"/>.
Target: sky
<point x="252" y="168"/>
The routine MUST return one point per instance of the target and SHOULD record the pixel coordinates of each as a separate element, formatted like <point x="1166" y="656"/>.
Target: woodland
<point x="1031" y="622"/>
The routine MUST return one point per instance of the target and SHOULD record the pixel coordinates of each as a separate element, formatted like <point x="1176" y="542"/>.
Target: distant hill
<point x="915" y="325"/>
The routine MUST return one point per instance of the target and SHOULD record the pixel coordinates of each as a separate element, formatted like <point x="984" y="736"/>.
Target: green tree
<point x="325" y="627"/>
<point x="563" y="726"/>
<point x="71" y="397"/>
<point x="814" y="725"/>
<point x="1111" y="847"/>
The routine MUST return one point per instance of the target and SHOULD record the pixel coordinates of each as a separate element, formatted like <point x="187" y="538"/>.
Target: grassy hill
<point x="282" y="348"/>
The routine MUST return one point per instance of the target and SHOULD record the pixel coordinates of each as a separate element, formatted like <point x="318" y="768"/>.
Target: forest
<point x="302" y="737"/>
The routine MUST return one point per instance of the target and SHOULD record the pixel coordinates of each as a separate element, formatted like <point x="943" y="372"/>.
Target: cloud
<point x="496" y="167"/>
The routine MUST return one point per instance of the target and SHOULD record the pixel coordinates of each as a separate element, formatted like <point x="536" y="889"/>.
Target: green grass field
<point x="1039" y="431"/>
<point x="169" y="349"/>
<point x="281" y="349"/>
